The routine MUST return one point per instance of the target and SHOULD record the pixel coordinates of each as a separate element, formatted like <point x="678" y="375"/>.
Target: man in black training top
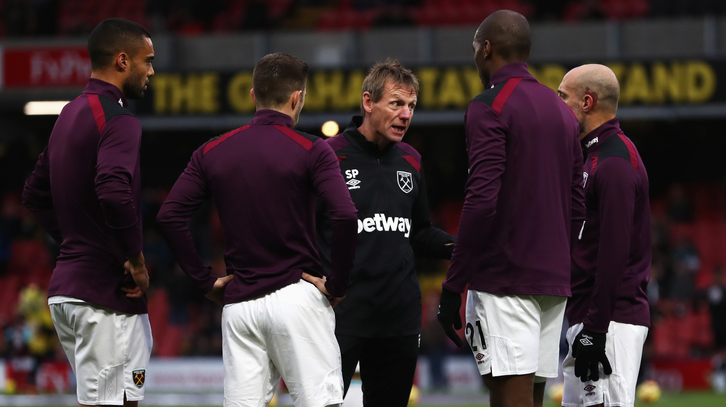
<point x="379" y="322"/>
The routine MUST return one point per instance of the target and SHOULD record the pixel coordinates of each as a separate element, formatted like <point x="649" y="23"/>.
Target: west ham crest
<point x="139" y="377"/>
<point x="405" y="181"/>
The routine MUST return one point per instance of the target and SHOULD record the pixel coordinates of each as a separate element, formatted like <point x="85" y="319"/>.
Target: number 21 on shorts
<point x="470" y="334"/>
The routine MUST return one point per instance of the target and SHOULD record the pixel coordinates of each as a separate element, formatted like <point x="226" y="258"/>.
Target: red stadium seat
<point x="638" y="8"/>
<point x="700" y="330"/>
<point x="615" y="9"/>
<point x="666" y="342"/>
<point x="27" y="255"/>
<point x="328" y="21"/>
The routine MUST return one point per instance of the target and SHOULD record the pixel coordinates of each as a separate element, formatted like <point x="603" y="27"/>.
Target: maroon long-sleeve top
<point x="85" y="191"/>
<point x="265" y="179"/>
<point x="524" y="193"/>
<point x="612" y="255"/>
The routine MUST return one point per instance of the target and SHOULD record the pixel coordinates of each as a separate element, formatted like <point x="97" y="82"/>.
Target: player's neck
<point x="286" y="110"/>
<point x="110" y="77"/>
<point x="596" y="121"/>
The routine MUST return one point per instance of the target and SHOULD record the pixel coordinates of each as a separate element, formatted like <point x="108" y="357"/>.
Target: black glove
<point x="448" y="315"/>
<point x="588" y="350"/>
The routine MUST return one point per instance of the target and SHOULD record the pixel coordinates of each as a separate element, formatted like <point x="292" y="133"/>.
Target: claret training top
<point x="524" y="192"/>
<point x="611" y="259"/>
<point x="86" y="192"/>
<point x="265" y="179"/>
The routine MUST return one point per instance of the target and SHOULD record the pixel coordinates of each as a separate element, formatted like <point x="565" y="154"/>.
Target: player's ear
<point x="122" y="62"/>
<point x="487" y="49"/>
<point x="296" y="98"/>
<point x="252" y="95"/>
<point x="587" y="103"/>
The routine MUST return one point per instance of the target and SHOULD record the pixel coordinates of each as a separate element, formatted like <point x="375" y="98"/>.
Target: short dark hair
<point x="276" y="76"/>
<point x="381" y="73"/>
<point x="509" y="34"/>
<point x="112" y="36"/>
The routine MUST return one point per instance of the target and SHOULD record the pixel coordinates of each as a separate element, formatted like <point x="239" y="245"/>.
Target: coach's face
<point x="392" y="114"/>
<point x="140" y="70"/>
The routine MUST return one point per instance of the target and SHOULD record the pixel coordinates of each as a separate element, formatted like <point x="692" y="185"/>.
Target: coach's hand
<point x="448" y="315"/>
<point x="136" y="266"/>
<point x="320" y="284"/>
<point x="216" y="294"/>
<point x="588" y="350"/>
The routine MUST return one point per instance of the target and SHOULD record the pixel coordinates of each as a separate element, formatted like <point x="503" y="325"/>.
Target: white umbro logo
<point x="120" y="102"/>
<point x="353" y="184"/>
<point x="585" y="340"/>
<point x="584" y="179"/>
<point x="352" y="181"/>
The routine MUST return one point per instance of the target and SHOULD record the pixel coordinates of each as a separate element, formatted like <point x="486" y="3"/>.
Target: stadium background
<point x="669" y="56"/>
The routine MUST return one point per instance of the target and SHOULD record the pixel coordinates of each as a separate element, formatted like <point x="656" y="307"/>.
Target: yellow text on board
<point x="442" y="88"/>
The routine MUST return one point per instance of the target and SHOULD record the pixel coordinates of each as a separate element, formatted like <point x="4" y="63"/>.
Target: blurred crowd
<point x="24" y="18"/>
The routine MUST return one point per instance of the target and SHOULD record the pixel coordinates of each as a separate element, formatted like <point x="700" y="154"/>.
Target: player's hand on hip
<point x="216" y="294"/>
<point x="319" y="283"/>
<point x="449" y="316"/>
<point x="588" y="349"/>
<point x="137" y="268"/>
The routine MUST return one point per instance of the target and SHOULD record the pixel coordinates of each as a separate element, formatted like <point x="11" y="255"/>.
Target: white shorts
<point x="514" y="334"/>
<point x="288" y="333"/>
<point x="624" y="349"/>
<point x="108" y="351"/>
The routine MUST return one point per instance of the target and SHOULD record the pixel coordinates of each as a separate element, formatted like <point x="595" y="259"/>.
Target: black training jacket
<point x="388" y="189"/>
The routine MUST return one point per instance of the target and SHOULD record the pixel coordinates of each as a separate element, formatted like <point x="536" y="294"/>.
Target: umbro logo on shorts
<point x="479" y="356"/>
<point x="139" y="377"/>
<point x="589" y="387"/>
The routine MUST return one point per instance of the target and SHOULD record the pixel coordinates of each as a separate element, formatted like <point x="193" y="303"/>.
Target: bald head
<point x="595" y="80"/>
<point x="508" y="32"/>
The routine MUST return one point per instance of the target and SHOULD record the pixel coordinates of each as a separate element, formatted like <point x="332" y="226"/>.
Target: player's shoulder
<point x="305" y="140"/>
<point x="408" y="153"/>
<point x="489" y="95"/>
<point x="111" y="108"/>
<point x="618" y="145"/>
<point x="217" y="140"/>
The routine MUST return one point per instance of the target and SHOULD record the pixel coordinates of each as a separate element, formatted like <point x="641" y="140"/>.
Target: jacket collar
<point x="354" y="136"/>
<point x="99" y="87"/>
<point x="513" y="70"/>
<point x="271" y="117"/>
<point x="592" y="141"/>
